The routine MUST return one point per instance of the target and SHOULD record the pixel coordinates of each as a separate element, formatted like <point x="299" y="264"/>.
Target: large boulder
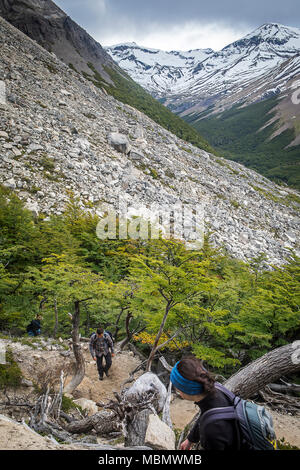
<point x="159" y="435"/>
<point x="120" y="142"/>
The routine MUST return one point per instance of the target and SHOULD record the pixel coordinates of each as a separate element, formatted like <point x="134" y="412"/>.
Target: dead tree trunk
<point x="266" y="369"/>
<point x="103" y="423"/>
<point x="80" y="365"/>
<point x="56" y="319"/>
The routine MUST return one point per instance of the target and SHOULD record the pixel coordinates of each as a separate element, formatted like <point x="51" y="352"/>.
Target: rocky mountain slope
<point x="44" y="22"/>
<point x="52" y="28"/>
<point x="58" y="134"/>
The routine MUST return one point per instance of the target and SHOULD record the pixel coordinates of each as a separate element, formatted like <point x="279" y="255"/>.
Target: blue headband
<point x="190" y="387"/>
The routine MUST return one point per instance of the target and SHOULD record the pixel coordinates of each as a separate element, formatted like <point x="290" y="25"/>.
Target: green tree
<point x="172" y="283"/>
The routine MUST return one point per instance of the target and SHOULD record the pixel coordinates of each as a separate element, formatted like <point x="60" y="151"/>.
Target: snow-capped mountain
<point x="160" y="72"/>
<point x="194" y="80"/>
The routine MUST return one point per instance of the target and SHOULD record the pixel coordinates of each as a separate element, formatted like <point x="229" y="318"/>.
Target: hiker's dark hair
<point x="100" y="331"/>
<point x="191" y="368"/>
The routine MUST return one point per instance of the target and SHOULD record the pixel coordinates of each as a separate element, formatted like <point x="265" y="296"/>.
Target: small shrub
<point x="10" y="373"/>
<point x="283" y="445"/>
<point x="68" y="404"/>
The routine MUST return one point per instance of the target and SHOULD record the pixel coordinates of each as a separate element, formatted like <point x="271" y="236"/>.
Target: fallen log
<point x="264" y="370"/>
<point x="103" y="422"/>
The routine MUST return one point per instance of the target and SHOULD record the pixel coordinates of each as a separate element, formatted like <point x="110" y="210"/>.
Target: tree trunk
<point x="266" y="369"/>
<point x="87" y="325"/>
<point x="80" y="365"/>
<point x="155" y="345"/>
<point x="137" y="428"/>
<point x="56" y="319"/>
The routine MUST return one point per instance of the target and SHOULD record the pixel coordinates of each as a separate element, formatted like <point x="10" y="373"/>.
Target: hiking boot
<point x="106" y="373"/>
<point x="100" y="378"/>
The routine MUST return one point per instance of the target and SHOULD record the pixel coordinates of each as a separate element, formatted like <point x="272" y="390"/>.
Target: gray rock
<point x="34" y="148"/>
<point x="11" y="184"/>
<point x="26" y="383"/>
<point x="120" y="142"/>
<point x="159" y="435"/>
<point x="33" y="207"/>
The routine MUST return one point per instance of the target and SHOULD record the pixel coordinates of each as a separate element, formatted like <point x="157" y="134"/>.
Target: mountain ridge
<point x="263" y="65"/>
<point x="185" y="79"/>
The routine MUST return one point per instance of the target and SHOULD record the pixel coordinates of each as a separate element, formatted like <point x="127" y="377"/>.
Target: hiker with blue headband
<point x="194" y="383"/>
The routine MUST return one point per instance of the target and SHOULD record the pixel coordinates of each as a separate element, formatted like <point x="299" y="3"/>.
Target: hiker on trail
<point x="102" y="347"/>
<point x="195" y="383"/>
<point x="34" y="328"/>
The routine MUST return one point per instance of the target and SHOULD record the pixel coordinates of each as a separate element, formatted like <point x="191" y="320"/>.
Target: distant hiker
<point x="102" y="346"/>
<point x="226" y="422"/>
<point x="34" y="328"/>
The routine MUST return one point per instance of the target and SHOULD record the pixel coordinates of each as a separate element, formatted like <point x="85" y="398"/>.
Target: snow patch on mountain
<point x="201" y="77"/>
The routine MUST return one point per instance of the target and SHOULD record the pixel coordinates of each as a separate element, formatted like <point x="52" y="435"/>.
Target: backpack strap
<point x="227" y="413"/>
<point x="226" y="392"/>
<point x="215" y="414"/>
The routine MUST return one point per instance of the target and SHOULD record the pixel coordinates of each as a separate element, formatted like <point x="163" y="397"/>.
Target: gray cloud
<point x="104" y="18"/>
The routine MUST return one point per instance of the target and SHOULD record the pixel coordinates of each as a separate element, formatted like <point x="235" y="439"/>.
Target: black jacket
<point x="221" y="435"/>
<point x="35" y="325"/>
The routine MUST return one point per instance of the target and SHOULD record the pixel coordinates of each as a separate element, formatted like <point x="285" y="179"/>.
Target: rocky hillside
<point x="46" y="23"/>
<point x="59" y="132"/>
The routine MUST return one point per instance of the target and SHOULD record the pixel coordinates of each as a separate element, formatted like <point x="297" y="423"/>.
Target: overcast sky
<point x="178" y="24"/>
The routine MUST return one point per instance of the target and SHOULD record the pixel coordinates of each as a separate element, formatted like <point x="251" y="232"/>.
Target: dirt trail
<point x="93" y="389"/>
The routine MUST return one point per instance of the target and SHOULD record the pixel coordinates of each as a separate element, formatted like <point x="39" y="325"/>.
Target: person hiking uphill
<point x="101" y="346"/>
<point x="227" y="421"/>
<point x="195" y="383"/>
<point x="34" y="328"/>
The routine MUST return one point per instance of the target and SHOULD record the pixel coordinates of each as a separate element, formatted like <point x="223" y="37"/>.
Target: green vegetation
<point x="221" y="309"/>
<point x="67" y="404"/>
<point x="129" y="92"/>
<point x="283" y="445"/>
<point x="236" y="136"/>
<point x="51" y="67"/>
<point x="10" y="373"/>
<point x="47" y="163"/>
<point x="72" y="67"/>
